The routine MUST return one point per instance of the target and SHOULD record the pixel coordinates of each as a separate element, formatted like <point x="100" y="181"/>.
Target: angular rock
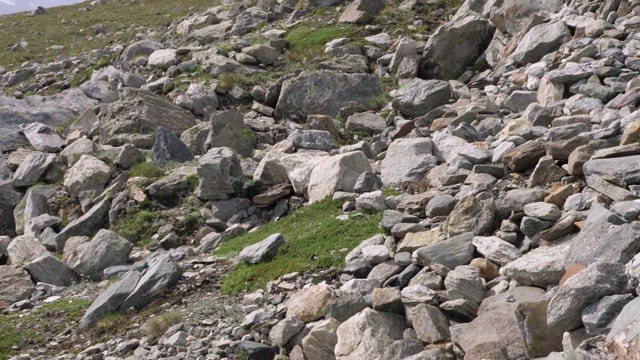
<point x="15" y="284"/>
<point x="49" y="270"/>
<point x="471" y="214"/>
<point x="599" y="316"/>
<point x="496" y="249"/>
<point x="24" y="249"/>
<point x="464" y="282"/>
<point x="361" y="11"/>
<point x="418" y="96"/>
<point x="89" y="173"/>
<point x="285" y="330"/>
<point x="541" y="40"/>
<point x="458" y="250"/>
<point x="42" y="137"/>
<point x="168" y="147"/>
<point x="228" y="130"/>
<point x="407" y="160"/>
<point x="540" y="267"/>
<point x="264" y="249"/>
<point x="368" y="334"/>
<point x="321" y="340"/>
<point x="32" y="168"/>
<point x="525" y="156"/>
<point x="309" y="304"/>
<point x="104" y="250"/>
<point x="89" y="223"/>
<point x="219" y="174"/>
<point x="430" y="324"/>
<point x="312" y="139"/>
<point x="337" y="173"/>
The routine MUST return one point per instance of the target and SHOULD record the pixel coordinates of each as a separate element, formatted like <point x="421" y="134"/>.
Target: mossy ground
<point x="314" y="240"/>
<point x="36" y="329"/>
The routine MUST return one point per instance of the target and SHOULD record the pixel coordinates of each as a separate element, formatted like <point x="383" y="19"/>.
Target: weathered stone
<point x="496" y="249"/>
<point x="104" y="250"/>
<point x="42" y="137"/>
<point x="361" y="11"/>
<point x="49" y="270"/>
<point x="219" y="174"/>
<point x="458" y="250"/>
<point x="539" y="339"/>
<point x="336" y="173"/>
<point x="15" y="284"/>
<point x="228" y="130"/>
<point x="387" y="299"/>
<point x="418" y="96"/>
<point x="345" y="306"/>
<point x="32" y="169"/>
<point x="368" y="334"/>
<point x="541" y="40"/>
<point x="598" y="317"/>
<point x="430" y="324"/>
<point x="309" y="303"/>
<point x="312" y="139"/>
<point x="168" y="147"/>
<point x="464" y="282"/>
<point x="285" y="330"/>
<point x="89" y="223"/>
<point x="471" y="214"/>
<point x="525" y="156"/>
<point x="321" y="340"/>
<point x="24" y="249"/>
<point x="263" y="250"/>
<point x="407" y="160"/>
<point x="540" y="267"/>
<point x="414" y="241"/>
<point x="89" y="173"/>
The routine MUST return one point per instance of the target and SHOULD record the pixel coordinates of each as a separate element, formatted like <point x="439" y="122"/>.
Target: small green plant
<point x="158" y="325"/>
<point x="307" y="40"/>
<point x="138" y="226"/>
<point x="145" y="169"/>
<point x="314" y="238"/>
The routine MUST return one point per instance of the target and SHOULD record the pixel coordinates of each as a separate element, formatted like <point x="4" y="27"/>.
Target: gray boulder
<point x="622" y="168"/>
<point x="228" y="130"/>
<point x="361" y="11"/>
<point x="471" y="35"/>
<point x="407" y="160"/>
<point x="168" y="147"/>
<point x="264" y="249"/>
<point x="599" y="316"/>
<point x="596" y="281"/>
<point x="89" y="173"/>
<point x="472" y="214"/>
<point x="48" y="269"/>
<point x="496" y="249"/>
<point x="104" y="250"/>
<point x="142" y="48"/>
<point x="464" y="282"/>
<point x="366" y="122"/>
<point x="418" y="97"/>
<point x="86" y="225"/>
<point x="9" y="199"/>
<point x="248" y="20"/>
<point x="42" y="137"/>
<point x="540" y="267"/>
<point x="32" y="168"/>
<point x="321" y="340"/>
<point x="429" y="322"/>
<point x="25" y="248"/>
<point x="312" y="139"/>
<point x="159" y="273"/>
<point x="219" y="174"/>
<point x="15" y="284"/>
<point x="368" y="334"/>
<point x="623" y="338"/>
<point x="541" y="40"/>
<point x="325" y="93"/>
<point x="455" y="251"/>
<point x="337" y="173"/>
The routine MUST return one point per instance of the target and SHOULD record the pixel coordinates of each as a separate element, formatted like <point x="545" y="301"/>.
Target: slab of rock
<point x="345" y="306"/>
<point x="227" y="129"/>
<point x="106" y="249"/>
<point x="596" y="281"/>
<point x="32" y="168"/>
<point x="361" y="11"/>
<point x="312" y="139"/>
<point x="599" y="316"/>
<point x="464" y="282"/>
<point x="48" y="269"/>
<point x="366" y="122"/>
<point x="219" y="174"/>
<point x="418" y="96"/>
<point x="309" y="304"/>
<point x="494" y="334"/>
<point x="387" y="299"/>
<point x="89" y="223"/>
<point x="321" y="340"/>
<point x="282" y="332"/>
<point x="496" y="249"/>
<point x="168" y="147"/>
<point x="540" y="267"/>
<point x="622" y="339"/>
<point x="25" y="248"/>
<point x="263" y="250"/>
<point x="15" y="284"/>
<point x="163" y="58"/>
<point x="136" y="115"/>
<point x="542" y="210"/>
<point x="337" y="173"/>
<point x="539" y="339"/>
<point x="440" y="61"/>
<point x="368" y="334"/>
<point x="525" y="156"/>
<point x="407" y="160"/>
<point x="142" y="48"/>
<point x="414" y="241"/>
<point x="471" y="214"/>
<point x="430" y="324"/>
<point x="541" y="40"/>
<point x="89" y="173"/>
<point x="458" y="250"/>
<point x="622" y="168"/>
<point x="276" y="168"/>
<point x="325" y="93"/>
<point x="159" y="273"/>
<point x="42" y="137"/>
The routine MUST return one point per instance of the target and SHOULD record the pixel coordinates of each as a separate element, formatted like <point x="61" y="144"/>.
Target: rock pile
<point x="515" y="153"/>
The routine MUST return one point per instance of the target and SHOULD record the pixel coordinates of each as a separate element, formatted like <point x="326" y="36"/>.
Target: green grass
<point x="76" y="35"/>
<point x="145" y="169"/>
<point x="32" y="330"/>
<point x="138" y="226"/>
<point x="307" y="40"/>
<point x="313" y="238"/>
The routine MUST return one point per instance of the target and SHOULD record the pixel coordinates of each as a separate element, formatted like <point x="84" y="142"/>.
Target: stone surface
<point x="368" y="334"/>
<point x="104" y="250"/>
<point x="336" y="173"/>
<point x="455" y="251"/>
<point x="464" y="282"/>
<point x="471" y="214"/>
<point x="430" y="324"/>
<point x="219" y="174"/>
<point x="321" y="340"/>
<point x="227" y="129"/>
<point x="309" y="304"/>
<point x="42" y="137"/>
<point x="263" y="250"/>
<point x="418" y="96"/>
<point x="407" y="160"/>
<point x="168" y="147"/>
<point x="89" y="173"/>
<point x="496" y="249"/>
<point x="48" y="269"/>
<point x="15" y="284"/>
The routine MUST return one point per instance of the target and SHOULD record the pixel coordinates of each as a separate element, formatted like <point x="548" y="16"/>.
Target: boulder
<point x="42" y="137"/>
<point x="296" y="168"/>
<point x="598" y="317"/>
<point x="89" y="173"/>
<point x="325" y="93"/>
<point x="136" y="115"/>
<point x="219" y="174"/>
<point x="368" y="122"/>
<point x="321" y="340"/>
<point x="106" y="249"/>
<point x="540" y="267"/>
<point x="623" y="338"/>
<point x="163" y="59"/>
<point x="228" y="130"/>
<point x="513" y="14"/>
<point x="525" y="156"/>
<point x="32" y="168"/>
<point x="248" y="20"/>
<point x="142" y="48"/>
<point x="86" y="225"/>
<point x="312" y="139"/>
<point x="622" y="168"/>
<point x="496" y="249"/>
<point x="263" y="250"/>
<point x="407" y="160"/>
<point x="471" y="214"/>
<point x="418" y="97"/>
<point x="48" y="269"/>
<point x="309" y="304"/>
<point x="471" y="35"/>
<point x="464" y="282"/>
<point x="368" y="334"/>
<point x="429" y="322"/>
<point x="15" y="284"/>
<point x="337" y="173"/>
<point x="361" y="11"/>
<point x="541" y="40"/>
<point x="168" y="147"/>
<point x="456" y="251"/>
<point x="285" y="330"/>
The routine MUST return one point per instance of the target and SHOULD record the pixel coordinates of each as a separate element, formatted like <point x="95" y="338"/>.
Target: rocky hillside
<point x="314" y="180"/>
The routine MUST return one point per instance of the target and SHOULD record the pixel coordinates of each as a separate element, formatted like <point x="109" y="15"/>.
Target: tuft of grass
<point x="307" y="40"/>
<point x="34" y="329"/>
<point x="158" y="325"/>
<point x="314" y="238"/>
<point x="145" y="169"/>
<point x="138" y="227"/>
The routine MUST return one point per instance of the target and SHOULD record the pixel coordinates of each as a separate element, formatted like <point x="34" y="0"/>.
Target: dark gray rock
<point x="598" y="317"/>
<point x="227" y="129"/>
<point x="345" y="306"/>
<point x="92" y="221"/>
<point x="104" y="250"/>
<point x="168" y="147"/>
<point x="464" y="282"/>
<point x="261" y="251"/>
<point x="392" y="217"/>
<point x="257" y="351"/>
<point x="15" y="284"/>
<point x="49" y="270"/>
<point x="455" y="251"/>
<point x="9" y="199"/>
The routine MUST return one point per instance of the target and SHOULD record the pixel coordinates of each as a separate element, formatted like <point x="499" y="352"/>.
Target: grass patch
<point x="75" y="34"/>
<point x="307" y="40"/>
<point x="158" y="325"/>
<point x="34" y="329"/>
<point x="138" y="226"/>
<point x="145" y="169"/>
<point x="313" y="238"/>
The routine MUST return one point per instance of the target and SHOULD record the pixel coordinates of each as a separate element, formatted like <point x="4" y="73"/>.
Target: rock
<point x="15" y="284"/>
<point x="384" y="271"/>
<point x="472" y="34"/>
<point x="89" y="173"/>
<point x="368" y="334"/>
<point x="407" y="160"/>
<point x="539" y="339"/>
<point x="72" y="153"/>
<point x="345" y="306"/>
<point x="321" y="340"/>
<point x="464" y="282"/>
<point x="368" y="122"/>
<point x="402" y="349"/>
<point x="309" y="304"/>
<point x="168" y="147"/>
<point x="540" y="267"/>
<point x="32" y="168"/>
<point x="542" y="210"/>
<point x="163" y="58"/>
<point x="430" y="324"/>
<point x="336" y="173"/>
<point x="265" y="54"/>
<point x="9" y="199"/>
<point x="248" y="20"/>
<point x="460" y="309"/>
<point x="623" y="335"/>
<point x="525" y="156"/>
<point x="602" y="241"/>
<point x="257" y="351"/>
<point x="496" y="249"/>
<point x="388" y="300"/>
<point x="621" y="168"/>
<point x="598" y="317"/>
<point x="142" y="48"/>
<point x="546" y="172"/>
<point x="487" y="269"/>
<point x="228" y="130"/>
<point x="25" y="248"/>
<point x="263" y="250"/>
<point x="49" y="270"/>
<point x="88" y="224"/>
<point x="128" y="156"/>
<point x="375" y="254"/>
<point x="458" y="250"/>
<point x="136" y="115"/>
<point x="519" y="100"/>
<point x="414" y="241"/>
<point x="440" y="205"/>
<point x="219" y="174"/>
<point x="511" y="18"/>
<point x="367" y="182"/>
<point x="418" y="294"/>
<point x="285" y="330"/>
<point x="494" y="334"/>
<point x="98" y="89"/>
<point x="541" y="40"/>
<point x="42" y="137"/>
<point x="325" y="93"/>
<point x="361" y="11"/>
<point x="471" y="214"/>
<point x="596" y="281"/>
<point x="201" y="99"/>
<point x="104" y="250"/>
<point x="158" y="274"/>
<point x="312" y="139"/>
<point x="418" y="96"/>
